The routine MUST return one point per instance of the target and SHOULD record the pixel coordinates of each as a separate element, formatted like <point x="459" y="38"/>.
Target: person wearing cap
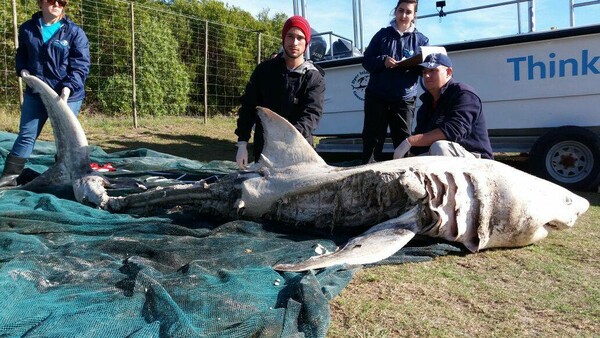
<point x="54" y="49"/>
<point x="391" y="93"/>
<point x="287" y="84"/>
<point x="450" y="121"/>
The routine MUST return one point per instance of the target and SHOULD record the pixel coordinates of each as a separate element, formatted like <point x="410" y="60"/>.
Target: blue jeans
<point x="33" y="118"/>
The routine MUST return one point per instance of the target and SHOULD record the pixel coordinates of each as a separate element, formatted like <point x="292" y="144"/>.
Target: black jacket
<point x="297" y="95"/>
<point x="458" y="114"/>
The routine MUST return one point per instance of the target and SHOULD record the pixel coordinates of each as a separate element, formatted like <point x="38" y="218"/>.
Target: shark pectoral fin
<point x="378" y="243"/>
<point x="365" y="249"/>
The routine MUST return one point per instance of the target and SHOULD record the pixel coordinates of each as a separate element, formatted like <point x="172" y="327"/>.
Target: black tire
<point x="568" y="156"/>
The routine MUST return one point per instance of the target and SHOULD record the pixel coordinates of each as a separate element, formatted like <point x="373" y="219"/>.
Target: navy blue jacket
<point x="297" y="95"/>
<point x="63" y="61"/>
<point x="399" y="82"/>
<point x="458" y="114"/>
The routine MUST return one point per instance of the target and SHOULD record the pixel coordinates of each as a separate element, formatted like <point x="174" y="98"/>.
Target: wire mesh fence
<point x="146" y="60"/>
<point x="9" y="94"/>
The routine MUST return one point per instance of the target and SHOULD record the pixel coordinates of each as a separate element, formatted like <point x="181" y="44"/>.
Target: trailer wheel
<point x="568" y="156"/>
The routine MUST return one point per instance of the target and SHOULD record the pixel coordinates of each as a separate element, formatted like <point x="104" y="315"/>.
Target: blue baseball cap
<point x="435" y="60"/>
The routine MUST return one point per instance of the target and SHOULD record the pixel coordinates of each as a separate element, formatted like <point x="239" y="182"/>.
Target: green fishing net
<point x="68" y="270"/>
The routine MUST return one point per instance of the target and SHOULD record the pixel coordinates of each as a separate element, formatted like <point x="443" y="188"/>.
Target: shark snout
<point x="580" y="206"/>
<point x="576" y="206"/>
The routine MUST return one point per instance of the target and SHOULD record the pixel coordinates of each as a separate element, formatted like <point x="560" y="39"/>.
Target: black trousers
<point x="379" y="114"/>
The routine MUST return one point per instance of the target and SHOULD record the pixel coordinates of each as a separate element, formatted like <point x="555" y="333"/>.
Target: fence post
<point x="133" y="86"/>
<point x="206" y="72"/>
<point x="258" y="48"/>
<point x="16" y="33"/>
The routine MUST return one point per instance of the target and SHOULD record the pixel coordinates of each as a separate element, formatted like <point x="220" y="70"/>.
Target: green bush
<point x="163" y="82"/>
<point x="115" y="96"/>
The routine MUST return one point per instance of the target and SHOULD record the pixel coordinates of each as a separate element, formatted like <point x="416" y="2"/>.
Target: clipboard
<point x="418" y="59"/>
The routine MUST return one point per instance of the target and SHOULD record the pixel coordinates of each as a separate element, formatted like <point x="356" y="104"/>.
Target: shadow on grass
<point x="193" y="147"/>
<point x="592" y="197"/>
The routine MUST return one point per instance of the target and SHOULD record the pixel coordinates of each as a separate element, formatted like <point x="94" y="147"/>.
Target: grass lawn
<point x="551" y="289"/>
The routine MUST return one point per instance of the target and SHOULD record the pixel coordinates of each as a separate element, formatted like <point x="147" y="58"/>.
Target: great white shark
<point x="479" y="203"/>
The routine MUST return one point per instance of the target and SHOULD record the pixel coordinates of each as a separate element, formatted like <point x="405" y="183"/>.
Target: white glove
<point x="25" y="73"/>
<point x="402" y="149"/>
<point x="242" y="155"/>
<point x="66" y="92"/>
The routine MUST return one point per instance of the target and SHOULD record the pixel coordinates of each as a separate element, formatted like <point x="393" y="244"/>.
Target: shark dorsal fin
<point x="284" y="145"/>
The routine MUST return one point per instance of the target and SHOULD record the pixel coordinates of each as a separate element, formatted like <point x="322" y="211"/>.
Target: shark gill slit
<point x="475" y="209"/>
<point x="450" y="198"/>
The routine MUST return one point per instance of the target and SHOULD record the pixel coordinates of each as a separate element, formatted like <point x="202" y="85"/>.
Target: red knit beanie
<point x="296" y="21"/>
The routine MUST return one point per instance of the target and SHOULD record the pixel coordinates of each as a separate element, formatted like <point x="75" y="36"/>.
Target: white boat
<point x="540" y="94"/>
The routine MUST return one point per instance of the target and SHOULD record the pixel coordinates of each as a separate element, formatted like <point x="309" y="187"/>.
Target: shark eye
<point x="568" y="200"/>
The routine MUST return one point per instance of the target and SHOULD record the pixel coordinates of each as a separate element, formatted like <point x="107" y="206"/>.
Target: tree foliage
<point x="162" y="80"/>
<point x="169" y="53"/>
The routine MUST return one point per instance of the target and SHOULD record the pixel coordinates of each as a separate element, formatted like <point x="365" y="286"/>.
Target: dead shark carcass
<point x="479" y="203"/>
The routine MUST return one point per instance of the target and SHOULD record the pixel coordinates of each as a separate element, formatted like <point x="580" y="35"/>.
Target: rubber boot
<point x="12" y="169"/>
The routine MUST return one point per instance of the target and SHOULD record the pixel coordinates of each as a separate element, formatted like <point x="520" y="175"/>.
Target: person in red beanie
<point x="288" y="84"/>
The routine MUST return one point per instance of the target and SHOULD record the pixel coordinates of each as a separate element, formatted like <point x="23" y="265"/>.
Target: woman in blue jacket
<point x="391" y="93"/>
<point x="54" y="49"/>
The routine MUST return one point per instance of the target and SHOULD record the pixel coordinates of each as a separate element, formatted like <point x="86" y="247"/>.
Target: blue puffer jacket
<point x="395" y="83"/>
<point x="63" y="61"/>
